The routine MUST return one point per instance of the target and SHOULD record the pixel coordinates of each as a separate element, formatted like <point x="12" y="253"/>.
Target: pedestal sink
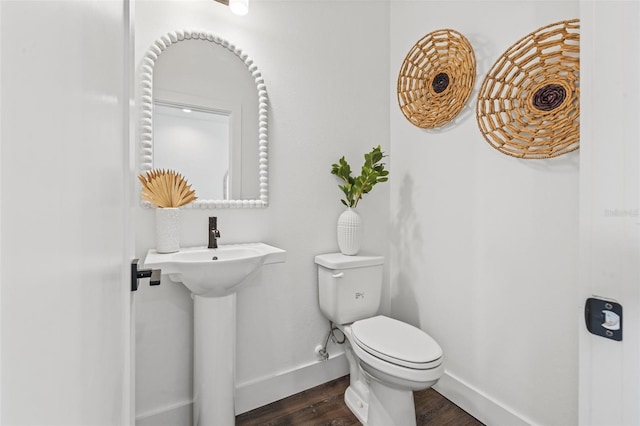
<point x="214" y="276"/>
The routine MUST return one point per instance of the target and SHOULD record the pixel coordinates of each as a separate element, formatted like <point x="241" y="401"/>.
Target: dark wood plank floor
<point x="324" y="406"/>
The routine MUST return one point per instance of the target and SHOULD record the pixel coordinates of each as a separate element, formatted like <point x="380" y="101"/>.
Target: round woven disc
<point x="529" y="103"/>
<point x="436" y="78"/>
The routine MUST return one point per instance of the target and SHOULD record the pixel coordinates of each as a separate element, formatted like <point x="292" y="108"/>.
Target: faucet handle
<point x="214" y="233"/>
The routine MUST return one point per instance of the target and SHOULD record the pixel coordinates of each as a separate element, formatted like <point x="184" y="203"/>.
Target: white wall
<point x="485" y="246"/>
<point x="327" y="82"/>
<point x="65" y="310"/>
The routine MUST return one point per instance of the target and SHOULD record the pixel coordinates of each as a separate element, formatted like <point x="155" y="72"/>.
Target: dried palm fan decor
<point x="529" y="103"/>
<point x="166" y="188"/>
<point x="436" y="78"/>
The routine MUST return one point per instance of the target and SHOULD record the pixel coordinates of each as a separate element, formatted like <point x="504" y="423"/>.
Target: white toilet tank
<point x="350" y="287"/>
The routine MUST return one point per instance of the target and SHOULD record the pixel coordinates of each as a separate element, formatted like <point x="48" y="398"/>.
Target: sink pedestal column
<point x="214" y="360"/>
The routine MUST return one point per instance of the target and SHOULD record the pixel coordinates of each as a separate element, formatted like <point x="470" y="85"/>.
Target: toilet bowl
<point x="383" y="375"/>
<point x="388" y="359"/>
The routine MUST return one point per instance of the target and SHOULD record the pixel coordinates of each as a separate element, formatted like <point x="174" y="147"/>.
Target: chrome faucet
<point x="214" y="233"/>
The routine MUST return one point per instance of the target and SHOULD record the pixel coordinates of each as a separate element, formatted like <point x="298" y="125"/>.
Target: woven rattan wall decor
<point x="529" y="103"/>
<point x="436" y="78"/>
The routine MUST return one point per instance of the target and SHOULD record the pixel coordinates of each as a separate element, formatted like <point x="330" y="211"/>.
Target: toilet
<point x="388" y="359"/>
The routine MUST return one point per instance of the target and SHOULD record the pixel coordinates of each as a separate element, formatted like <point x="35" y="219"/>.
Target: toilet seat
<point x="381" y="353"/>
<point x="397" y="343"/>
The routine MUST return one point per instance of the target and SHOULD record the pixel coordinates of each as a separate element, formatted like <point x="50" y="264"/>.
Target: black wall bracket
<point x="604" y="318"/>
<point x="136" y="274"/>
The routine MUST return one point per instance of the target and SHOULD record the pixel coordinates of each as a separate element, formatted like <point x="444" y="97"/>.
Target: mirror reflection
<point x="205" y="116"/>
<point x="181" y="130"/>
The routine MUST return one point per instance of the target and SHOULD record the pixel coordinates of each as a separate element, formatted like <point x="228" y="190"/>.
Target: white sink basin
<point x="215" y="272"/>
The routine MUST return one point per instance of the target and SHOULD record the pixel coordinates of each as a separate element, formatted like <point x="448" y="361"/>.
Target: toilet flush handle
<point x="338" y="275"/>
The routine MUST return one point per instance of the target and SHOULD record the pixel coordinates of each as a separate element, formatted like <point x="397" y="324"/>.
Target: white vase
<point x="349" y="232"/>
<point x="167" y="230"/>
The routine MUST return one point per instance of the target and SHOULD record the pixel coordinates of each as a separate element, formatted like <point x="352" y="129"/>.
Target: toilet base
<point x="375" y="403"/>
<point x="390" y="406"/>
<point x="358" y="406"/>
<point x="398" y="410"/>
<point x="380" y="405"/>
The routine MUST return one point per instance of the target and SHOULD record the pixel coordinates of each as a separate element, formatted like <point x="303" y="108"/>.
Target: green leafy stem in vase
<point x="373" y="172"/>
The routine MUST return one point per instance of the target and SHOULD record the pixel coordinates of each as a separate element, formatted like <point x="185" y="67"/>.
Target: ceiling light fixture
<point x="238" y="7"/>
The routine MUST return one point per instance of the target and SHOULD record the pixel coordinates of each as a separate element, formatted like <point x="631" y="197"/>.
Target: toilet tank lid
<point x="341" y="261"/>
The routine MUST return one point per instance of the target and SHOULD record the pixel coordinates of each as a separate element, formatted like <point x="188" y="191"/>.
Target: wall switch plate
<point x="604" y="318"/>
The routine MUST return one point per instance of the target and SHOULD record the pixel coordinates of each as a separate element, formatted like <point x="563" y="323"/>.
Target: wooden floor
<point x="324" y="405"/>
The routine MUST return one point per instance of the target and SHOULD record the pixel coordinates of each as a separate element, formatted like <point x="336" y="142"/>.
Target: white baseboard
<point x="256" y="393"/>
<point x="179" y="413"/>
<point x="268" y="389"/>
<point x="479" y="405"/>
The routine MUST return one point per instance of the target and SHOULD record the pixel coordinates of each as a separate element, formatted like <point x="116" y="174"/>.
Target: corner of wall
<point x="476" y="403"/>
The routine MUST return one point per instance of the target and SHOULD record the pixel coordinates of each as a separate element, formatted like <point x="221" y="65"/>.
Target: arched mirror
<point x="204" y="115"/>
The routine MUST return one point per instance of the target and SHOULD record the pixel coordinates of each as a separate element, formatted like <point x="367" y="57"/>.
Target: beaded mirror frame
<point x="146" y="114"/>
